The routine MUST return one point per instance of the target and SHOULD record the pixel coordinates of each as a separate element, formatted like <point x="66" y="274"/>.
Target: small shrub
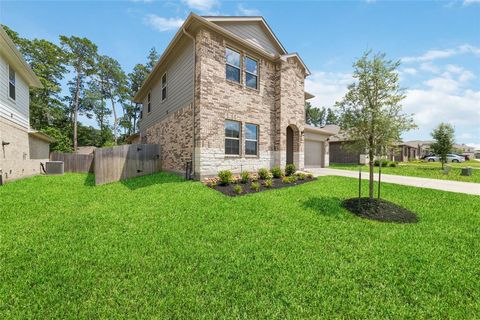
<point x="290" y="169"/>
<point x="385" y="163"/>
<point x="277" y="172"/>
<point x="263" y="174"/>
<point x="213" y="184"/>
<point x="393" y="164"/>
<point x="237" y="189"/>
<point x="286" y="180"/>
<point x="254" y="178"/>
<point x="309" y="176"/>
<point x="268" y="183"/>
<point x="245" y="177"/>
<point x="225" y="177"/>
<point x="301" y="176"/>
<point x="293" y="178"/>
<point x="255" y="186"/>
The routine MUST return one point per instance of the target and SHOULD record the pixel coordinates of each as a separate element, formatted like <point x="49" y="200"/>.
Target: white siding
<point x="16" y="111"/>
<point x="180" y="71"/>
<point x="251" y="31"/>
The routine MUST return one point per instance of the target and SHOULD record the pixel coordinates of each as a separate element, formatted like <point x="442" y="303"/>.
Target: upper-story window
<point x="251" y="73"/>
<point x="233" y="65"/>
<point x="232" y="137"/>
<point x="164" y="86"/>
<point x="149" y="104"/>
<point x="11" y="82"/>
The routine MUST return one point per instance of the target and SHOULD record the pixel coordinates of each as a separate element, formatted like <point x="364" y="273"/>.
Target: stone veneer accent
<point x="175" y="135"/>
<point x="278" y="103"/>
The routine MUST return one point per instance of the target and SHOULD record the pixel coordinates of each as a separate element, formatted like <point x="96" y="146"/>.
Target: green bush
<point x="290" y="169"/>
<point x="263" y="174"/>
<point x="301" y="176"/>
<point x="245" y="177"/>
<point x="213" y="184"/>
<point x="255" y="186"/>
<point x="237" y="189"/>
<point x="286" y="180"/>
<point x="225" y="177"/>
<point x="277" y="172"/>
<point x="385" y="163"/>
<point x="309" y="176"/>
<point x="293" y="178"/>
<point x="268" y="183"/>
<point x="393" y="164"/>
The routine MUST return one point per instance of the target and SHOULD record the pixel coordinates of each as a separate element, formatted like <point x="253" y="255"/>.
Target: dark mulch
<point x="277" y="184"/>
<point x="380" y="210"/>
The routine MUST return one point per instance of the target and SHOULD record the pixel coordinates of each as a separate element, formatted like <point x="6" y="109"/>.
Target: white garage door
<point x="313" y="153"/>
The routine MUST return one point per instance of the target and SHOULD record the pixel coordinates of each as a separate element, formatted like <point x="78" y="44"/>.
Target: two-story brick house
<point x="225" y="94"/>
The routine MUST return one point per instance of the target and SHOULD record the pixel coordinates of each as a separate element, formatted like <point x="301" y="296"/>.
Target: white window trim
<point x="256" y="140"/>
<point x="164" y="86"/>
<point x="251" y="73"/>
<point x="14" y="84"/>
<point x="234" y="66"/>
<point x="239" y="139"/>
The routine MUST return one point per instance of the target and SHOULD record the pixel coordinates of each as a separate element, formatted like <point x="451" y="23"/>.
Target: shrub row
<point x="225" y="177"/>
<point x="385" y="163"/>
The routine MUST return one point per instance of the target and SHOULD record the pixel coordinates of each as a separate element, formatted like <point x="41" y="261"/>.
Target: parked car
<point x="450" y="158"/>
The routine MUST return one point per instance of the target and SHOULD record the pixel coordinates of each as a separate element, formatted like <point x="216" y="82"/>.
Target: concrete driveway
<point x="445" y="185"/>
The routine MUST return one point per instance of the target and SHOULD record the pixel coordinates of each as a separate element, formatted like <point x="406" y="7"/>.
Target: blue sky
<point x="438" y="42"/>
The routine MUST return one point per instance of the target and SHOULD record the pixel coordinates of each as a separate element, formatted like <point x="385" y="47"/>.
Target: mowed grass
<point x="161" y="247"/>
<point x="423" y="170"/>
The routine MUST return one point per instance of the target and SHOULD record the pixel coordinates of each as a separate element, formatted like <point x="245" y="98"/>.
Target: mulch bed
<point x="277" y="184"/>
<point x="380" y="210"/>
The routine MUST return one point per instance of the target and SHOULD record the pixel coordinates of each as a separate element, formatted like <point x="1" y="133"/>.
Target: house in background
<point x="226" y="95"/>
<point x="403" y="152"/>
<point x="22" y="149"/>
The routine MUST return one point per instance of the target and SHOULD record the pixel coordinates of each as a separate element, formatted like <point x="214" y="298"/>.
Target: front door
<point x="289" y="145"/>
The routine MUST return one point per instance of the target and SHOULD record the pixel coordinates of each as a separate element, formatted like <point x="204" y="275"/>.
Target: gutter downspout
<point x="193" y="95"/>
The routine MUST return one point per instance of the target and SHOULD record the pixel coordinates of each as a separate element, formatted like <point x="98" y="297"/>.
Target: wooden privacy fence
<point x="127" y="161"/>
<point x="74" y="162"/>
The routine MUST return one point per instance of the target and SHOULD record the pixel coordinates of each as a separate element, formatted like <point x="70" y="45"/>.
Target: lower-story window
<point x="251" y="139"/>
<point x="232" y="137"/>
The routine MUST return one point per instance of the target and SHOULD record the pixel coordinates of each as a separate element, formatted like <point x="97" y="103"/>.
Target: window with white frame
<point x="232" y="137"/>
<point x="164" y="86"/>
<point x="251" y="139"/>
<point x="149" y="104"/>
<point x="232" y="65"/>
<point x="251" y="73"/>
<point x="11" y="83"/>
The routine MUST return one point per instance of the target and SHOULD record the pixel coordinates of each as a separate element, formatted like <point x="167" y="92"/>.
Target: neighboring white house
<point x="21" y="148"/>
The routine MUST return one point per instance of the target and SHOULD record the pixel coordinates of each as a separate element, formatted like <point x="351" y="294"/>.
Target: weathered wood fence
<point x="127" y="161"/>
<point x="74" y="162"/>
<point x="115" y="163"/>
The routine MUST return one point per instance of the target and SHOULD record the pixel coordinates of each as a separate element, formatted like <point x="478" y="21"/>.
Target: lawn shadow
<point x="326" y="206"/>
<point x="89" y="180"/>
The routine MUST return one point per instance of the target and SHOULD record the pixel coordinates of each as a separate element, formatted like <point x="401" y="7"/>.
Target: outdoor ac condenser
<point x="54" y="167"/>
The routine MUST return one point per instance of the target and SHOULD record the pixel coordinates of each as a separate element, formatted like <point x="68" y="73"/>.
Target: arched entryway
<point x="292" y="144"/>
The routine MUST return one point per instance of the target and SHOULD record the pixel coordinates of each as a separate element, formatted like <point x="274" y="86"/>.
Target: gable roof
<point x="194" y="19"/>
<point x="15" y="58"/>
<point x="260" y="20"/>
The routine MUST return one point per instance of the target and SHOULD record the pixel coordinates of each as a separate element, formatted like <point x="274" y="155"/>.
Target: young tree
<point x="152" y="59"/>
<point x="371" y="111"/>
<point x="81" y="54"/>
<point x="444" y="140"/>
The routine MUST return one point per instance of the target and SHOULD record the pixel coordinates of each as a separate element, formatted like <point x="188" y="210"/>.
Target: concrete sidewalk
<point x="445" y="185"/>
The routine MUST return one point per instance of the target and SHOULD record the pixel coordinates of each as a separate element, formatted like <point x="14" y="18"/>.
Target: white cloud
<point x="435" y="54"/>
<point x="410" y="71"/>
<point x="328" y="87"/>
<point x="163" y="24"/>
<point x="469" y="2"/>
<point x="203" y="6"/>
<point x="241" y="10"/>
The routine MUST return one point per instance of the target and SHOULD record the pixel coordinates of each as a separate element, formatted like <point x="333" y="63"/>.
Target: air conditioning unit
<point x="54" y="167"/>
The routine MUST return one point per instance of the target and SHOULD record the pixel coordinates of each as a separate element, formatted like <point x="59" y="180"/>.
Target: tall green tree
<point x="114" y="82"/>
<point x="96" y="104"/>
<point x="371" y="110"/>
<point x="81" y="54"/>
<point x="444" y="136"/>
<point x="152" y="59"/>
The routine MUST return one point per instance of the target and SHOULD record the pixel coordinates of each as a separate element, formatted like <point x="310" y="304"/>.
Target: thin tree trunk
<point x="370" y="164"/>
<point x="115" y="120"/>
<point x="75" y="113"/>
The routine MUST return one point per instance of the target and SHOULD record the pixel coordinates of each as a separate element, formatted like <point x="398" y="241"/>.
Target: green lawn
<point x="423" y="169"/>
<point x="161" y="247"/>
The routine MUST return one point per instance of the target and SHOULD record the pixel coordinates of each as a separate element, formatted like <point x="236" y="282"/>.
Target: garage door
<point x="313" y="153"/>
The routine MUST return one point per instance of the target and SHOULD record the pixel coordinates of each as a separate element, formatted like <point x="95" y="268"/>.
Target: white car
<point x="450" y="158"/>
